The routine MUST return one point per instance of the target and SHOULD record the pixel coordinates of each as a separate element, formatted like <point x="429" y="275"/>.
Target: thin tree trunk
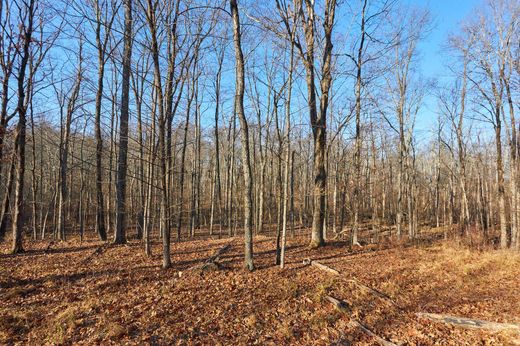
<point x="191" y="93"/>
<point x="244" y="135"/>
<point x="64" y="148"/>
<point x="288" y="160"/>
<point x="358" y="144"/>
<point x="120" y="231"/>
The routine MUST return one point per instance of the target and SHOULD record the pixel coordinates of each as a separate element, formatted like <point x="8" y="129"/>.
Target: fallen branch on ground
<point x="338" y="304"/>
<point x="99" y="250"/>
<point x="333" y="271"/>
<point x="344" y="307"/>
<point x="469" y="323"/>
<point x="320" y="266"/>
<point x="374" y="292"/>
<point x="379" y="340"/>
<point x="212" y="263"/>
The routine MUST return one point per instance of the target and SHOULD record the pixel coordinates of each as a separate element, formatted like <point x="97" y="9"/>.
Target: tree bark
<point x="244" y="136"/>
<point x="20" y="139"/>
<point x="120" y="231"/>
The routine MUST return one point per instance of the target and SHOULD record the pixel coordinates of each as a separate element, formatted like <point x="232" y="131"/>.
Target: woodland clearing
<point x="75" y="292"/>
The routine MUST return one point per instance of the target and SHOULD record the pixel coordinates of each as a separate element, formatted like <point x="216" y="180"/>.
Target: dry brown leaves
<point x="120" y="296"/>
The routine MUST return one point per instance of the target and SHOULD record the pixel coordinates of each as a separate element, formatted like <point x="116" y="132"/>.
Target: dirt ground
<point x="81" y="293"/>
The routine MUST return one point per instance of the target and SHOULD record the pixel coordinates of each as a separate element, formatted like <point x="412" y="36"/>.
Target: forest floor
<point x="80" y="293"/>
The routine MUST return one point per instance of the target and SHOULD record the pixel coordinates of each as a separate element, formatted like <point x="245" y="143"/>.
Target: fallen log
<point x="344" y="307"/>
<point x="212" y="262"/>
<point x="469" y="323"/>
<point x="374" y="292"/>
<point x="216" y="255"/>
<point x="338" y="304"/>
<point x="321" y="266"/>
<point x="333" y="271"/>
<point x="366" y="330"/>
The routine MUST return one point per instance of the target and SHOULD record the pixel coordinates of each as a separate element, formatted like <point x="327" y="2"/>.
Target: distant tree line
<point x="143" y="117"/>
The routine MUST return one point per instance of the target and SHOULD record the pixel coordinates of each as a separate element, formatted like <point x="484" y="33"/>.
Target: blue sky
<point x="446" y="15"/>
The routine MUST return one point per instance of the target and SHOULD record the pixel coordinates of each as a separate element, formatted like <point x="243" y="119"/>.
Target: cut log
<point x="469" y="323"/>
<point x="366" y="330"/>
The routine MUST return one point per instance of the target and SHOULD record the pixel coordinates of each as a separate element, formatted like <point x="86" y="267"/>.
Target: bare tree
<point x="122" y="160"/>
<point x="103" y="24"/>
<point x="306" y="14"/>
<point x="65" y="142"/>
<point x="244" y="136"/>
<point x="27" y="13"/>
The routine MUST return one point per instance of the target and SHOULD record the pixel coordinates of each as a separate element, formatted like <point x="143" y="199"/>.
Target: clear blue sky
<point x="446" y="15"/>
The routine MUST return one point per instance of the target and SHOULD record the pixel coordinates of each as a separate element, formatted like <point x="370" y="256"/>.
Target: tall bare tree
<point x="65" y="142"/>
<point x="122" y="159"/>
<point x="244" y="136"/>
<point x="27" y="15"/>
<point x="103" y="24"/>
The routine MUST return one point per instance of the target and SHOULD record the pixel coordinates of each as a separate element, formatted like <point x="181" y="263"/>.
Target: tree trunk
<point x="19" y="146"/>
<point x="120" y="231"/>
<point x="244" y="135"/>
<point x="288" y="160"/>
<point x="64" y="148"/>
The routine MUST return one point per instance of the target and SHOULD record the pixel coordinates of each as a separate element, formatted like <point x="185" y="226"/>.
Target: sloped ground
<point x="80" y="293"/>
